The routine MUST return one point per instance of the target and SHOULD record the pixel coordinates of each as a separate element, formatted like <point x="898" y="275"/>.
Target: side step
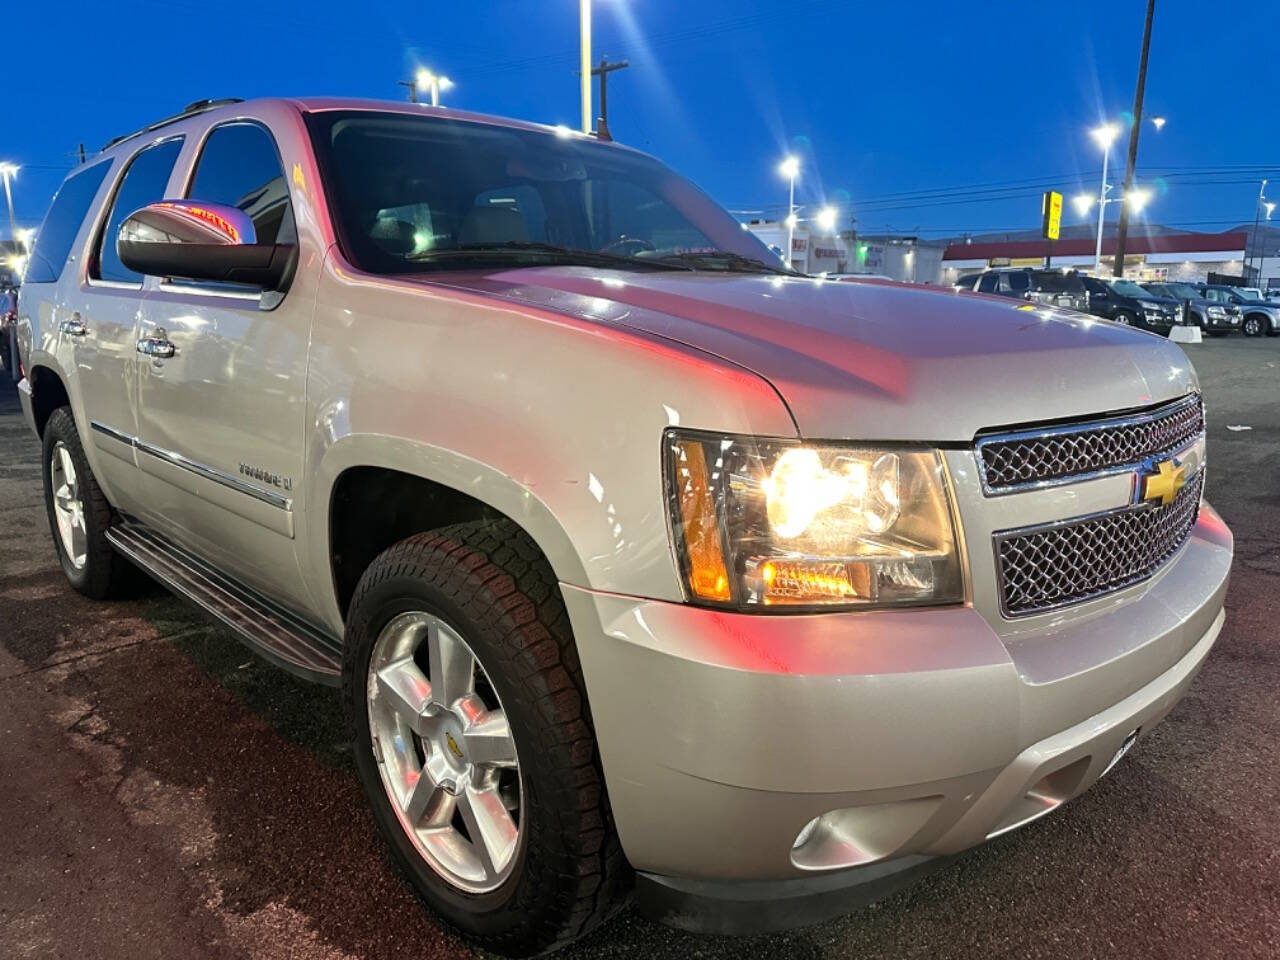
<point x="269" y="629"/>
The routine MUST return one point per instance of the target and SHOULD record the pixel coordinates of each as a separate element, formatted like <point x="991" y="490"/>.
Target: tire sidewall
<point x="1252" y="326"/>
<point x="513" y="903"/>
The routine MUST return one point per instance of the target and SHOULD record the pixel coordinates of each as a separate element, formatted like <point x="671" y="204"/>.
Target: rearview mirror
<point x="202" y="241"/>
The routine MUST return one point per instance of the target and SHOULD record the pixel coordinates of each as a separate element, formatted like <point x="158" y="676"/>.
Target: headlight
<point x="1150" y="307"/>
<point x="1217" y="312"/>
<point x="781" y="523"/>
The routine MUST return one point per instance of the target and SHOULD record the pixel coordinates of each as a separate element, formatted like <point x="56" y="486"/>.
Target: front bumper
<point x="917" y="733"/>
<point x="1229" y="322"/>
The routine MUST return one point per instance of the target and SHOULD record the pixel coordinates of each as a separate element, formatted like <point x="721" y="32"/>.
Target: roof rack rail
<point x="191" y="109"/>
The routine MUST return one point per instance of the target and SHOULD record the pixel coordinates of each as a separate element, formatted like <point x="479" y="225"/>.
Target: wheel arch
<point x="48" y="393"/>
<point x="377" y="492"/>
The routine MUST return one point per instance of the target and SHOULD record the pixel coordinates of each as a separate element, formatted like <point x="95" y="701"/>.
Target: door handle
<point x="73" y="326"/>
<point x="157" y="348"/>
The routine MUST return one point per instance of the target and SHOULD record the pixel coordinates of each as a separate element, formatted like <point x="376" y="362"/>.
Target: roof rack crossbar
<point x="190" y="110"/>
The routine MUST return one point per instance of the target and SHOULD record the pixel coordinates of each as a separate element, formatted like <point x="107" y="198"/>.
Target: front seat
<point x="492" y="224"/>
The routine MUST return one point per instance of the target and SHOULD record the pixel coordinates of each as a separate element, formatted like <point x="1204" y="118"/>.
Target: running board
<point x="267" y="628"/>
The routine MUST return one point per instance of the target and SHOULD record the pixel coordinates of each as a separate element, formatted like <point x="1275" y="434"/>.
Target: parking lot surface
<point x="166" y="794"/>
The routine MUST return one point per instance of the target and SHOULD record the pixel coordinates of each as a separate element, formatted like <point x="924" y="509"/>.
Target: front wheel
<point x="1252" y="326"/>
<point x="1122" y="318"/>
<point x="474" y="740"/>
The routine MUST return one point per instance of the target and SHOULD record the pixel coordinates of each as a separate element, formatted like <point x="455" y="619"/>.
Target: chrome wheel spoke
<point x="493" y="832"/>
<point x="428" y="801"/>
<point x="407" y="691"/>
<point x="488" y="741"/>
<point x="450" y="664"/>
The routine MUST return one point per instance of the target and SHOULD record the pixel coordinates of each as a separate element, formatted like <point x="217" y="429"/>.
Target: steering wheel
<point x="627" y="246"/>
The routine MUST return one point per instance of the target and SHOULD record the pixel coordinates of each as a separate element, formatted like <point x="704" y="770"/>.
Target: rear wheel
<point x="79" y="514"/>
<point x="474" y="740"/>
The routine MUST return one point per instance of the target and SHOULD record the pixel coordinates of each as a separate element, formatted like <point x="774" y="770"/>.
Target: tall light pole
<point x="790" y="168"/>
<point x="1104" y="136"/>
<point x="8" y="170"/>
<point x="1257" y="213"/>
<point x="433" y="82"/>
<point x="584" y="66"/>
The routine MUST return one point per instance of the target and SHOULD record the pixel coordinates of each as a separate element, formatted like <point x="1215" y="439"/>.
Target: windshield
<point x="1183" y="291"/>
<point x="1127" y="288"/>
<point x="1054" y="281"/>
<point x="412" y="194"/>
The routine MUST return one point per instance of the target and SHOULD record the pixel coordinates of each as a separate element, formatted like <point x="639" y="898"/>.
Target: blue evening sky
<point x="921" y="116"/>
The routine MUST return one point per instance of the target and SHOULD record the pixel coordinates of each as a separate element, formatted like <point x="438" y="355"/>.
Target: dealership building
<point x="1149" y="256"/>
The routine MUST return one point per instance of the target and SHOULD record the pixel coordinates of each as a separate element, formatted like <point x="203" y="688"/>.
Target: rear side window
<point x="1015" y="283"/>
<point x="987" y="282"/>
<point x="144" y="182"/>
<point x="62" y="223"/>
<point x="240" y="166"/>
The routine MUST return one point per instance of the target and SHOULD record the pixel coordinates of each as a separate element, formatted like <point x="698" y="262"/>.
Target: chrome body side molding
<point x="269" y="497"/>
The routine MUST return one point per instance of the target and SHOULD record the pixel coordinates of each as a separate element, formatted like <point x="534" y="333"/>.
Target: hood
<point x="874" y="360"/>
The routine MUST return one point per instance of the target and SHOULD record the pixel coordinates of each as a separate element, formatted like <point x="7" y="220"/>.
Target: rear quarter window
<point x="62" y="223"/>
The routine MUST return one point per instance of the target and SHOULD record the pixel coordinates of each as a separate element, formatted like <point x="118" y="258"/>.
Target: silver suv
<point x="645" y="566"/>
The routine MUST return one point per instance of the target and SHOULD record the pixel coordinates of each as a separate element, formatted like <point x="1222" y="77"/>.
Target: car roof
<point x="216" y="109"/>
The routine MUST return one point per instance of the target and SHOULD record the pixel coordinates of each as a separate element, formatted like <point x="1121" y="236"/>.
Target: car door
<point x="102" y="312"/>
<point x="220" y="420"/>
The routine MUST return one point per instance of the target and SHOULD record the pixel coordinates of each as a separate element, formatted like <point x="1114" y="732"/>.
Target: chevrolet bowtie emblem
<point x="1163" y="481"/>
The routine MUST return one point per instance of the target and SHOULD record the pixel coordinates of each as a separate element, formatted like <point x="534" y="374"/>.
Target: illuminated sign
<point x="1051" y="211"/>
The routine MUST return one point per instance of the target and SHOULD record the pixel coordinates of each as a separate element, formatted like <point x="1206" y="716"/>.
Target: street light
<point x="9" y="171"/>
<point x="1159" y="123"/>
<point x="1083" y="203"/>
<point x="584" y="57"/>
<point x="1257" y="212"/>
<point x="1137" y="199"/>
<point x="826" y="219"/>
<point x="1104" y="136"/>
<point x="790" y="168"/>
<point x="435" y="82"/>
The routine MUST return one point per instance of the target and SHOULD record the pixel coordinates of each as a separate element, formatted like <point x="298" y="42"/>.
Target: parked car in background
<point x="1257" y="316"/>
<point x="1050" y="287"/>
<point x="1209" y="315"/>
<point x="967" y="282"/>
<point x="8" y="322"/>
<point x="1272" y="295"/>
<point x="1123" y="301"/>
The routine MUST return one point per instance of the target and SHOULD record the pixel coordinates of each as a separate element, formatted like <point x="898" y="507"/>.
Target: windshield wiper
<point x="517" y="249"/>
<point x="723" y="260"/>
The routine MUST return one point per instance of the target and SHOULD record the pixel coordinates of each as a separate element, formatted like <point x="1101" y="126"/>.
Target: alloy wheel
<point x="445" y="752"/>
<point x="68" y="506"/>
<point x="1252" y="326"/>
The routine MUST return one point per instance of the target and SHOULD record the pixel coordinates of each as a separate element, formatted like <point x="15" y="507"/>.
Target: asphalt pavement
<point x="165" y="794"/>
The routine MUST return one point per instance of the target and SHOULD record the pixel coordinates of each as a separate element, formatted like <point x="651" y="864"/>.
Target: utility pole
<point x="1122" y="229"/>
<point x="413" y="89"/>
<point x="603" y="72"/>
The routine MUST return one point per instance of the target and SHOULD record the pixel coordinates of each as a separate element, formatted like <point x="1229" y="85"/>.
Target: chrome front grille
<point x="1039" y="457"/>
<point x="1050" y="566"/>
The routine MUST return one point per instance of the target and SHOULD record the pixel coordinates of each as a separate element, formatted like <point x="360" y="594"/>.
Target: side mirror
<point x="202" y="241"/>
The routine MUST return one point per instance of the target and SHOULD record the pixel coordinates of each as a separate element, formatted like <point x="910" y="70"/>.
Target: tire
<point x="1124" y="318"/>
<point x="488" y="584"/>
<point x="1252" y="325"/>
<point x="97" y="570"/>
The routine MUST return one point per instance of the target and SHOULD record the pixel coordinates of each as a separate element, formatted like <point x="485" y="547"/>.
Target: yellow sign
<point x="1051" y="210"/>
<point x="1163" y="485"/>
